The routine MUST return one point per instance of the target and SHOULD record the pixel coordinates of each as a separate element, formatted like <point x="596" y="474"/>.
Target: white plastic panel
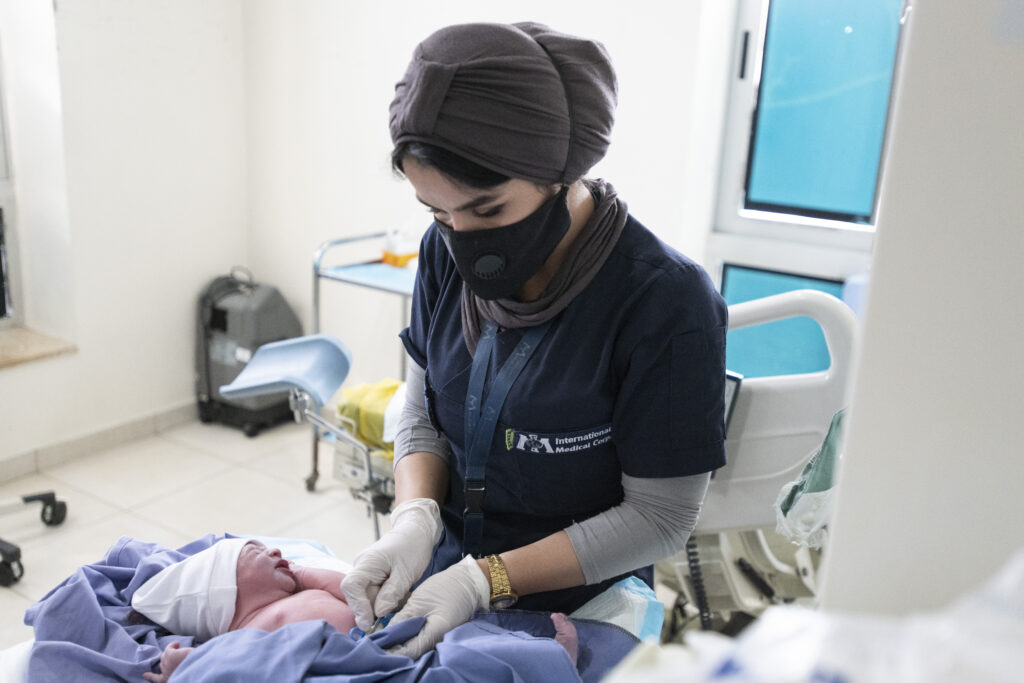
<point x="778" y="423"/>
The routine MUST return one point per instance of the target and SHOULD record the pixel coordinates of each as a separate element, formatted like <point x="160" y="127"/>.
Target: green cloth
<point x="818" y="474"/>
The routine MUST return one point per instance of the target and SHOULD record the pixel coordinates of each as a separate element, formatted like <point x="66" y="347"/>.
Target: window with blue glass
<point x="802" y="157"/>
<point x="816" y="141"/>
<point x="784" y="347"/>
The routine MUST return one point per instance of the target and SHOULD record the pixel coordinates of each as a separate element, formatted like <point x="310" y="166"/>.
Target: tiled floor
<point x="171" y="488"/>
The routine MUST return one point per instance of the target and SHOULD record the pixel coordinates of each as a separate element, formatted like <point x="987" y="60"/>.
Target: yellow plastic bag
<point x="364" y="405"/>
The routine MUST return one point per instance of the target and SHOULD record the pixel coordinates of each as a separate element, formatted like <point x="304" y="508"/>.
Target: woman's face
<point x="262" y="571"/>
<point x="465" y="208"/>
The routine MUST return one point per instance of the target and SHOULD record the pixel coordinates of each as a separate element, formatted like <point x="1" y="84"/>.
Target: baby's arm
<point x="171" y="658"/>
<point x="322" y="579"/>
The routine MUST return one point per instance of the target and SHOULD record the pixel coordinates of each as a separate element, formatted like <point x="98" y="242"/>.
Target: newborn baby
<point x="238" y="583"/>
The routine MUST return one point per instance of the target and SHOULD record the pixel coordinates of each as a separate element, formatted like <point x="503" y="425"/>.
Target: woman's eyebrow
<point x="471" y="204"/>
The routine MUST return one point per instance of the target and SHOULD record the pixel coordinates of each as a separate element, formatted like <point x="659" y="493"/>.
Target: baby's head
<point x="262" y="575"/>
<point x="199" y="595"/>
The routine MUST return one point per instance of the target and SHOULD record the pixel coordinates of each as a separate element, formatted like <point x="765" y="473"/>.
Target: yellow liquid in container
<point x="397" y="260"/>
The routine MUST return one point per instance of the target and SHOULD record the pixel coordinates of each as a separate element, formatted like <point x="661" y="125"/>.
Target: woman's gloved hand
<point x="384" y="572"/>
<point x="447" y="599"/>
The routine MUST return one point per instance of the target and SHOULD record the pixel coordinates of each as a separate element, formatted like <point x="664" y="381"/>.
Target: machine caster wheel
<point x="311" y="482"/>
<point x="10" y="572"/>
<point x="53" y="515"/>
<point x="206" y="413"/>
<point x="251" y="429"/>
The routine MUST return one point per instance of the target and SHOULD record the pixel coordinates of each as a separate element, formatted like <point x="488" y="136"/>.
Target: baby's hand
<point x="307" y="578"/>
<point x="301" y="578"/>
<point x="172" y="656"/>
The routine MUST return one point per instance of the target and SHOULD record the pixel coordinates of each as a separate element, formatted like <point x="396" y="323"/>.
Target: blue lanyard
<point x="482" y="419"/>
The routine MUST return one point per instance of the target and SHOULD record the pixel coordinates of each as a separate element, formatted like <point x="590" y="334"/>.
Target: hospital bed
<point x="735" y="564"/>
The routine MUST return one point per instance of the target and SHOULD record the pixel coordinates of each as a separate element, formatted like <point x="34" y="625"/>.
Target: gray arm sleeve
<point x="415" y="433"/>
<point x="653" y="521"/>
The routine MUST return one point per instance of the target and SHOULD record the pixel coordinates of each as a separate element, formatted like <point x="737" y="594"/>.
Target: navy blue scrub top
<point x="629" y="379"/>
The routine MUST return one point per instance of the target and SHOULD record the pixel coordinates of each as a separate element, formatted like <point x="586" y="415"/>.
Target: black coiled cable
<point x="697" y="582"/>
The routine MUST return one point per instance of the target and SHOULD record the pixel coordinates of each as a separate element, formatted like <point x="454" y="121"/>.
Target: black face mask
<point x="497" y="262"/>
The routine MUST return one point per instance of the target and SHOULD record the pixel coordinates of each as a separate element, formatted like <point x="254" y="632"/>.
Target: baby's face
<point x="261" y="571"/>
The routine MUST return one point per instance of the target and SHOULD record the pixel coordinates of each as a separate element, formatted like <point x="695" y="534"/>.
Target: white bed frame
<point x="778" y="424"/>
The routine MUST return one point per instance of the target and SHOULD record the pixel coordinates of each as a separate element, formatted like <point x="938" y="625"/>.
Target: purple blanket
<point x="82" y="634"/>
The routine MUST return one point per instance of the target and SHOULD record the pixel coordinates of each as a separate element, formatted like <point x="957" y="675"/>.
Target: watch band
<point x="502" y="595"/>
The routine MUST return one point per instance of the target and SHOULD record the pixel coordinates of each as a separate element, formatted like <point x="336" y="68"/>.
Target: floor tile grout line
<point x="84" y="527"/>
<point x="177" y="490"/>
<point x="185" y="443"/>
<point x="130" y="508"/>
<point x="321" y="509"/>
<point x="181" y="443"/>
<point x="60" y="492"/>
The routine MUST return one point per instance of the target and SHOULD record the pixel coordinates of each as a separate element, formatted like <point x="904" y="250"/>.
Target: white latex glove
<point x="447" y="599"/>
<point x="383" y="573"/>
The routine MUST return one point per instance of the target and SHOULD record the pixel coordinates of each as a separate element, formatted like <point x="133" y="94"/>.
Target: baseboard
<point x="17" y="466"/>
<point x="40" y="459"/>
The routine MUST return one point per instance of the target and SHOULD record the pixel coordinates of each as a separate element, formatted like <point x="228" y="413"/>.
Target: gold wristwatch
<point x="502" y="595"/>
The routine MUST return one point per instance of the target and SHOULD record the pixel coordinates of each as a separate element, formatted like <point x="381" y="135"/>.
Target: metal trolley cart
<point x="374" y="274"/>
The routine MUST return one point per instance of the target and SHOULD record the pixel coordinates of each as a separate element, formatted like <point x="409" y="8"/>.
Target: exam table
<point x="312" y="369"/>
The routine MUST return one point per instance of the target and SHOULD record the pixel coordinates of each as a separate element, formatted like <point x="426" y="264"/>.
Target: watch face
<point x="503" y="601"/>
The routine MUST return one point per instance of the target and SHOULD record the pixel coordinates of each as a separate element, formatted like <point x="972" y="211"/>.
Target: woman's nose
<point x="275" y="552"/>
<point x="460" y="223"/>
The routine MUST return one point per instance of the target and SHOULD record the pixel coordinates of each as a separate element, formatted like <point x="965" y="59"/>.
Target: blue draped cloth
<point x="83" y="633"/>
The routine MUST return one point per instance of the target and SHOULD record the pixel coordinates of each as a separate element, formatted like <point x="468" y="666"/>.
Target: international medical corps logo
<point x="534" y="443"/>
<point x="566" y="442"/>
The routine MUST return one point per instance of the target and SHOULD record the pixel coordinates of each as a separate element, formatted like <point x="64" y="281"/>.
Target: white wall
<point x="204" y="133"/>
<point x="930" y="497"/>
<point x="153" y="144"/>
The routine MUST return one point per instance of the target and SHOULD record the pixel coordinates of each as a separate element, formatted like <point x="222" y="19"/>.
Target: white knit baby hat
<point x="197" y="595"/>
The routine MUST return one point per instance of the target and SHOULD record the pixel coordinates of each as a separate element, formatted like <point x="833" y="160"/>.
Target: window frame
<point x="12" y="285"/>
<point x="730" y="216"/>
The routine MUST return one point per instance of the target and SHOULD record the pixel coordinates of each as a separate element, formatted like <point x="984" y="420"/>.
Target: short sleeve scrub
<point x="628" y="379"/>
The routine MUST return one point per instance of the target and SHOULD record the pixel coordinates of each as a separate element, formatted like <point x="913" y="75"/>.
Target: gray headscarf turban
<point x="519" y="99"/>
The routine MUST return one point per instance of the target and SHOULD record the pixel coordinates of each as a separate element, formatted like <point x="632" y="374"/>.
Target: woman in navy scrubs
<point x="565" y="395"/>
